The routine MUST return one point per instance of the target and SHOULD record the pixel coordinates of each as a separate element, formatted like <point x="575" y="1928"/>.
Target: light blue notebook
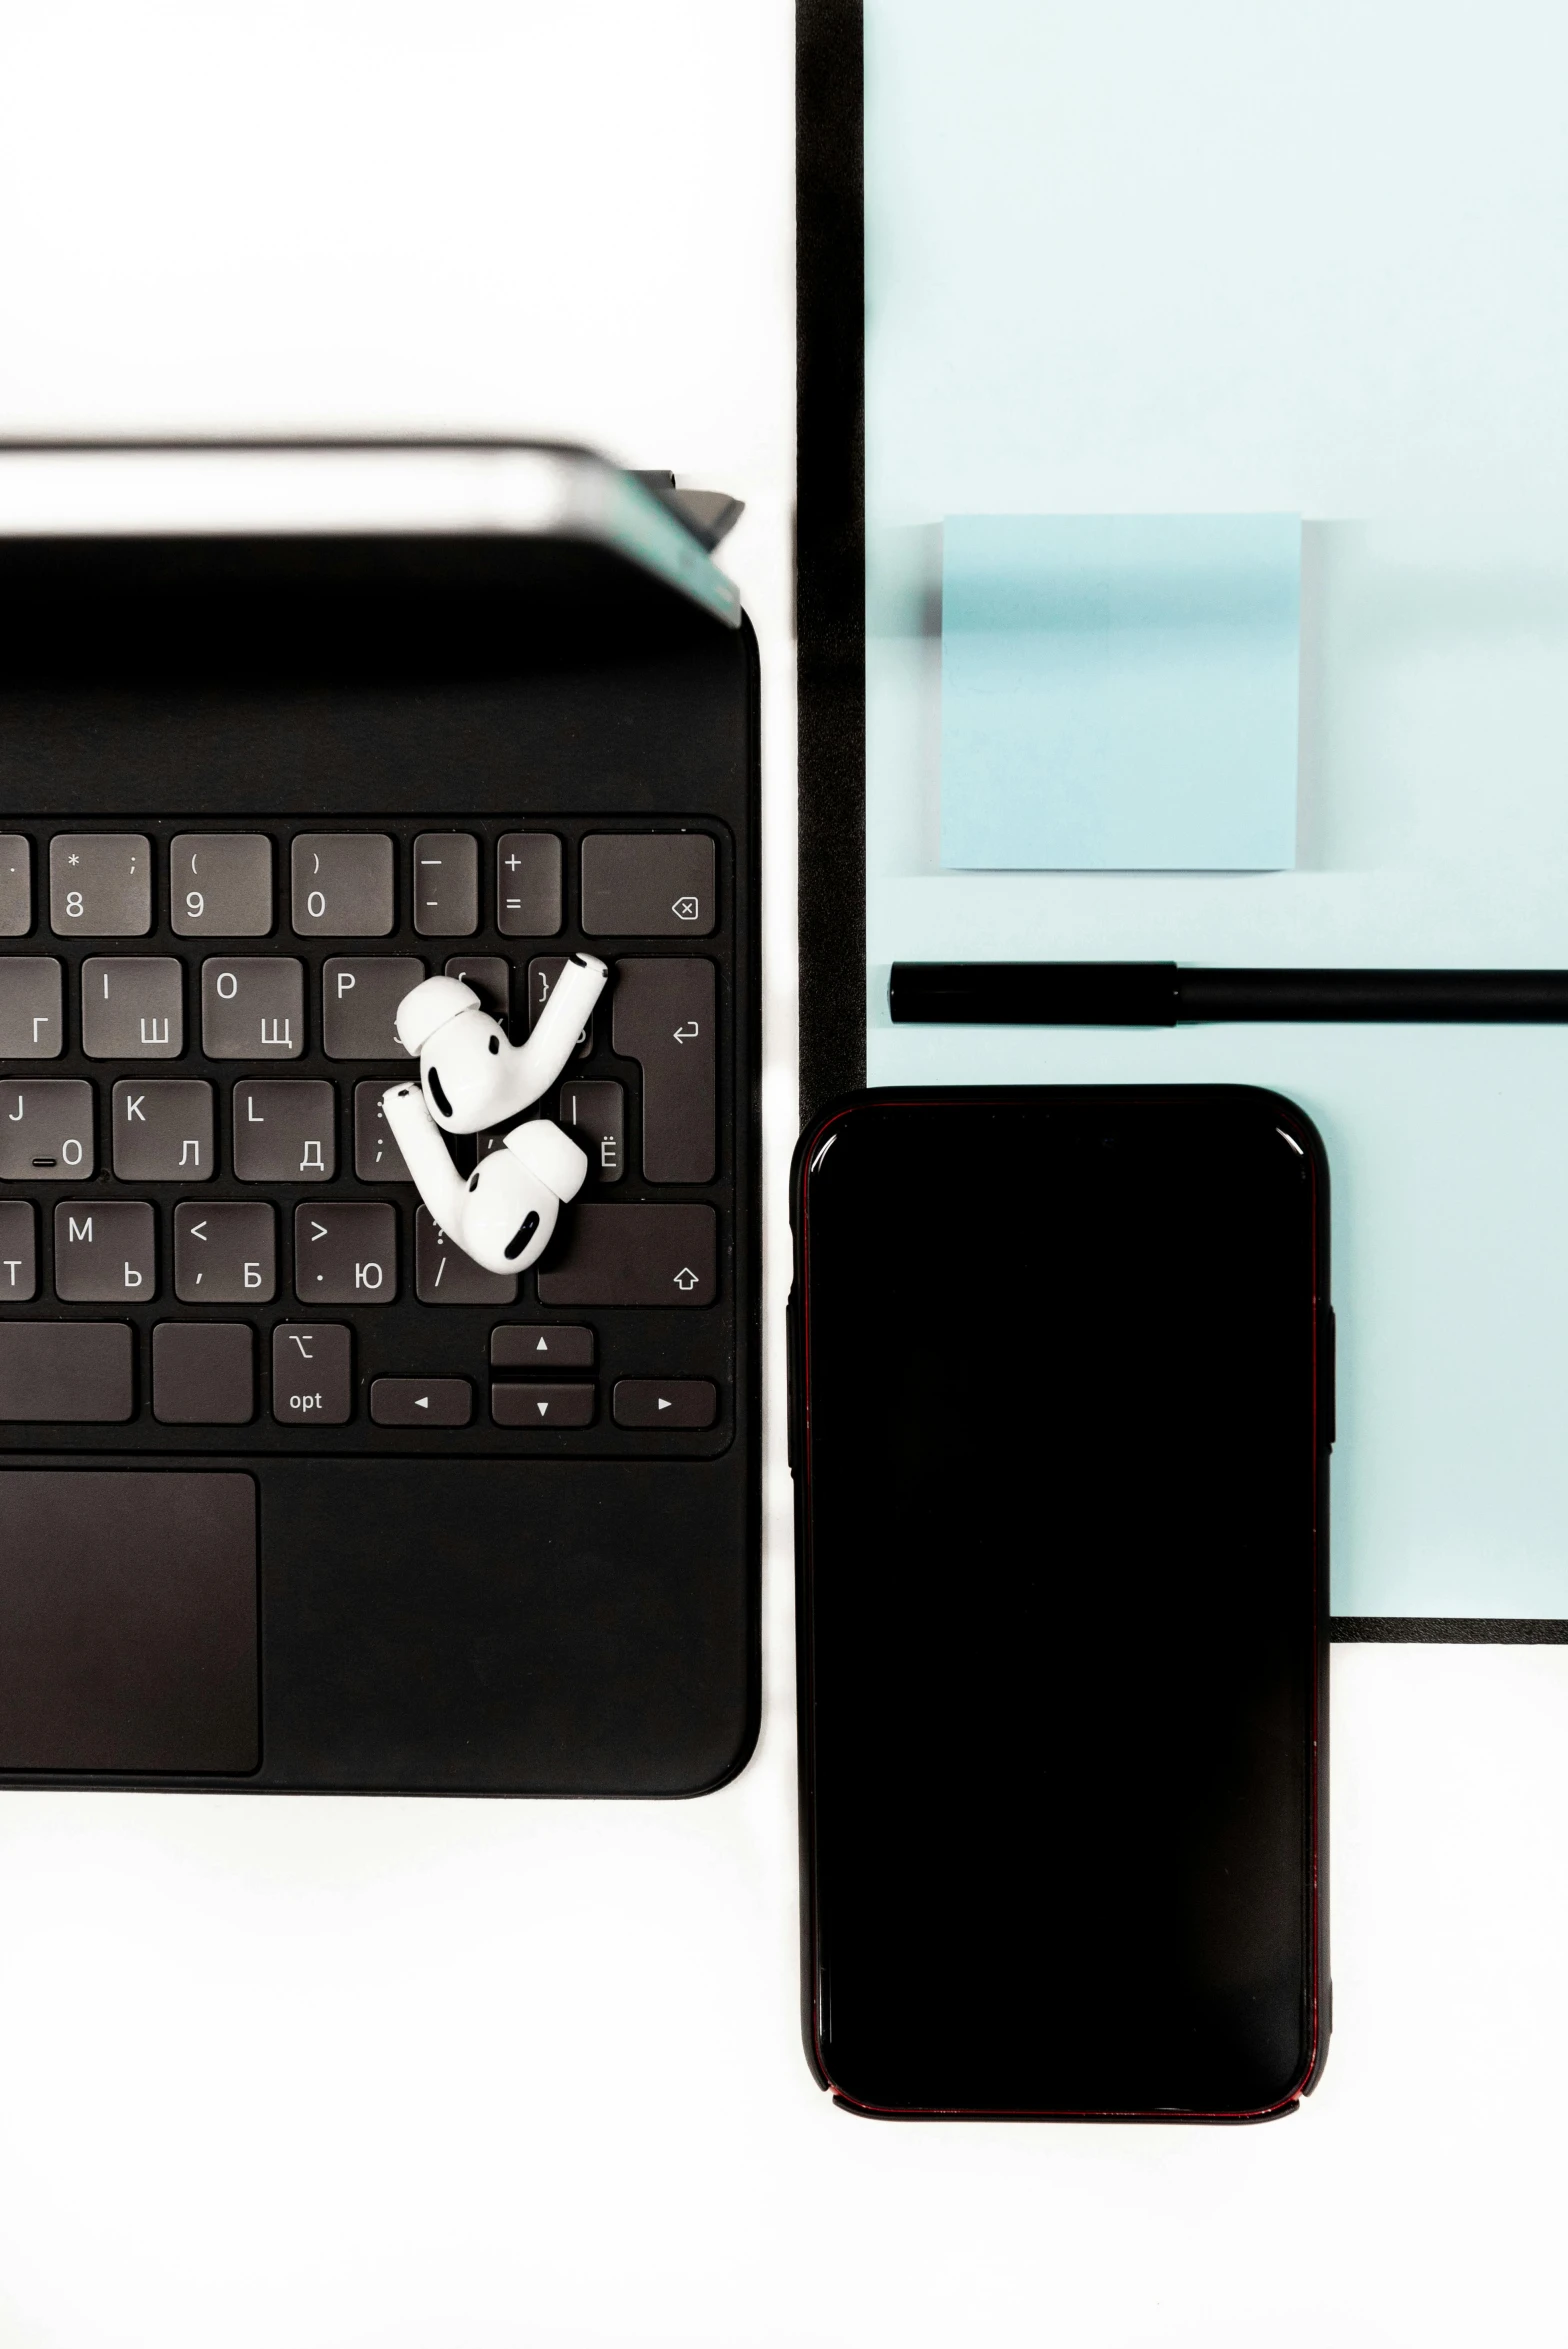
<point x="1119" y="691"/>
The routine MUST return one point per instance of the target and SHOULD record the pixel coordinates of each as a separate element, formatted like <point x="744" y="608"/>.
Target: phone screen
<point x="1061" y="1475"/>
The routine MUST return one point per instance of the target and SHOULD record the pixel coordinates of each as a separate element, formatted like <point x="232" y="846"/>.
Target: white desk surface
<point x="382" y="2074"/>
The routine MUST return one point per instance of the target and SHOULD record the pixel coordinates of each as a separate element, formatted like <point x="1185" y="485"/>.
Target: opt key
<point x="663" y="1015"/>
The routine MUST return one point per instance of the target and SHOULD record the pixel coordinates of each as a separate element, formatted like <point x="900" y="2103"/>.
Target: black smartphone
<point x="1061" y="1414"/>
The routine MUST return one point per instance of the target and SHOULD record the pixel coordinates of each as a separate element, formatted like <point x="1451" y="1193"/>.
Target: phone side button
<point x="789" y="1380"/>
<point x="1330" y="1380"/>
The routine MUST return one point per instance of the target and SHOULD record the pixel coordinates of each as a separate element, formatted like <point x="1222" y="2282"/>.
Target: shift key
<point x="634" y="1255"/>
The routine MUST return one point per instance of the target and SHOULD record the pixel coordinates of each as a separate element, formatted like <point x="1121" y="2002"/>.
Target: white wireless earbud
<point x="472" y="1077"/>
<point x="504" y="1214"/>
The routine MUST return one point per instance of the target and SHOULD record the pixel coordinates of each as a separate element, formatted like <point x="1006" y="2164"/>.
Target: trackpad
<point x="128" y="1621"/>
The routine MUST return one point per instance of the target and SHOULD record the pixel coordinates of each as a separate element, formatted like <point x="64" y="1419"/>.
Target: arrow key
<point x="664" y="1402"/>
<point x="538" y="1405"/>
<point x="541" y="1347"/>
<point x="421" y="1402"/>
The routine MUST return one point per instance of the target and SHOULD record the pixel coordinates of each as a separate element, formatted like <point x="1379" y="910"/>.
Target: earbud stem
<point x="535" y="1064"/>
<point x="425" y="1153"/>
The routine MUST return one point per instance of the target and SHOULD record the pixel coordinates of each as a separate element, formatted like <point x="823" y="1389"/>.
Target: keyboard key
<point x="528" y="885"/>
<point x="226" y="1253"/>
<point x="100" y="885"/>
<point x="443" y="1275"/>
<point x="634" y="1256"/>
<point x="312" y="1374"/>
<point x="663" y="1014"/>
<point x="377" y="1158"/>
<point x="543" y="972"/>
<point x="104" y="1251"/>
<point x="446" y="884"/>
<point x="161" y="1131"/>
<point x="220" y="885"/>
<point x="18" y="1252"/>
<point x="490" y="976"/>
<point x="421" y="1402"/>
<point x="31" y="1007"/>
<point x="285" y="1130"/>
<point x="253" y="1008"/>
<point x="16" y="885"/>
<point x="68" y="1372"/>
<point x="648" y="885"/>
<point x="359" y="1001"/>
<point x="539" y="1345"/>
<point x="133" y="1007"/>
<point x="342" y="884"/>
<point x="664" y="1402"/>
<point x="593" y="1111"/>
<point x="203" y="1373"/>
<point x="46" y="1130"/>
<point x="541" y="1406"/>
<point x="345" y="1255"/>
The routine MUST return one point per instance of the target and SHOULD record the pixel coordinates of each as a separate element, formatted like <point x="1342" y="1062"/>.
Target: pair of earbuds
<point x="471" y="1078"/>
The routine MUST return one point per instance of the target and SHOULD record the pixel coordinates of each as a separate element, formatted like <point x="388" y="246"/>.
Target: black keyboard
<point x="293" y="1494"/>
<point x="207" y="1233"/>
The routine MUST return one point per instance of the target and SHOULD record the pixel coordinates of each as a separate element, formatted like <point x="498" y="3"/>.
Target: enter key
<point x="663" y="1015"/>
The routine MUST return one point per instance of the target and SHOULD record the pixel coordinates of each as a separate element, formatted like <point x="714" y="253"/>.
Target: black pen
<point x="1169" y="995"/>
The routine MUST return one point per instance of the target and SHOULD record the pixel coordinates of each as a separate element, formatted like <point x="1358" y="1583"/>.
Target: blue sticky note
<point x="1119" y="691"/>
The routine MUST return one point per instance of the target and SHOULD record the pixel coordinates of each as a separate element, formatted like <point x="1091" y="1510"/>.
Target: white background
<point x="350" y="2073"/>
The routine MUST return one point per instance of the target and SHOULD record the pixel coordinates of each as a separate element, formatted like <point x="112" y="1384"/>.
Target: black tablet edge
<point x="830" y="562"/>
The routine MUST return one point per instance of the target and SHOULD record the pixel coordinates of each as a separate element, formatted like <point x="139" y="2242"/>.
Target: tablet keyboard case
<point x="291" y="1495"/>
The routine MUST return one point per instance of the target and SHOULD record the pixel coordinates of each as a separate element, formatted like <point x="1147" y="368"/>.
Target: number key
<point x="220" y="884"/>
<point x="100" y="885"/>
<point x="342" y="883"/>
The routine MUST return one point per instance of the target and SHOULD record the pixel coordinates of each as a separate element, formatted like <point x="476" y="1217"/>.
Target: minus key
<point x="421" y="1402"/>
